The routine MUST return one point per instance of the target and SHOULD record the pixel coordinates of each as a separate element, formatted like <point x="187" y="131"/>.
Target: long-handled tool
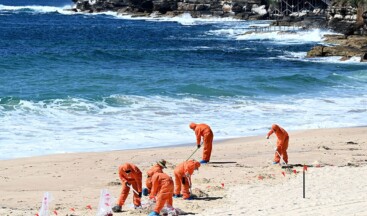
<point x="131" y="187"/>
<point x="283" y="161"/>
<point x="188" y="179"/>
<point x="149" y="203"/>
<point x="192" y="154"/>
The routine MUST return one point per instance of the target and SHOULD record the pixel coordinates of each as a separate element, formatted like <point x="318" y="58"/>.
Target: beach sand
<point x="240" y="180"/>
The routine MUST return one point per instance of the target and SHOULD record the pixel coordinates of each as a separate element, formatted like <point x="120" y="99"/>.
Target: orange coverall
<point x="282" y="142"/>
<point x="154" y="169"/>
<point x="162" y="188"/>
<point x="203" y="130"/>
<point x="134" y="178"/>
<point x="183" y="173"/>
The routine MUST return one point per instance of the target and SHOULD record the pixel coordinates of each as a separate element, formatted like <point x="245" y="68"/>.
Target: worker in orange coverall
<point x="157" y="168"/>
<point x="183" y="173"/>
<point x="162" y="188"/>
<point x="282" y="143"/>
<point x="130" y="176"/>
<point x="203" y="130"/>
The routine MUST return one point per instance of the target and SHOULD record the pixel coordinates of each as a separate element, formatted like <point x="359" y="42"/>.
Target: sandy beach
<point x="239" y="180"/>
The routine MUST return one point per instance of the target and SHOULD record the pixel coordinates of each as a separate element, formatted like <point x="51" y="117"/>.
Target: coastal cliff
<point x="351" y="22"/>
<point x="241" y="9"/>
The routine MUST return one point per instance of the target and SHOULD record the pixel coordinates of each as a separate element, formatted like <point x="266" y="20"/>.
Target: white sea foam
<point x="302" y="56"/>
<point x="187" y="19"/>
<point x="77" y="125"/>
<point x="336" y="59"/>
<point x="294" y="37"/>
<point x="183" y="19"/>
<point x="37" y="8"/>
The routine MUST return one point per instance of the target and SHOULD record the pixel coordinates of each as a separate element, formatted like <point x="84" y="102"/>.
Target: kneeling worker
<point x="183" y="174"/>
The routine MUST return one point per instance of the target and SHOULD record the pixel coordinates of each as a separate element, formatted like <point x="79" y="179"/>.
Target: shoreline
<point x="193" y="144"/>
<point x="239" y="167"/>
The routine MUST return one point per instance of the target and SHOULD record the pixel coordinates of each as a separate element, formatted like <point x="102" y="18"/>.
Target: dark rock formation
<point x="347" y="47"/>
<point x="364" y="57"/>
<point x="236" y="8"/>
<point x="347" y="18"/>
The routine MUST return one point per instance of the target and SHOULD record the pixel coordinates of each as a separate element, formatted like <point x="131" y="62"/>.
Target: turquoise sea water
<point x="73" y="82"/>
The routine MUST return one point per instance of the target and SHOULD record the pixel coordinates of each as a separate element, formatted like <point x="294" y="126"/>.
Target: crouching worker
<point x="157" y="168"/>
<point x="131" y="177"/>
<point x="183" y="174"/>
<point x="162" y="190"/>
<point x="282" y="143"/>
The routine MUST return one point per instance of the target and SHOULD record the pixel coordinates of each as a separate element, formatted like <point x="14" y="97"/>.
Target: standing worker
<point x="130" y="176"/>
<point x="157" y="168"/>
<point x="183" y="173"/>
<point x="203" y="130"/>
<point x="282" y="143"/>
<point x="162" y="189"/>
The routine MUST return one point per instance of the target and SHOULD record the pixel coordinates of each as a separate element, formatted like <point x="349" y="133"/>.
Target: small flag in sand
<point x="222" y="184"/>
<point x="89" y="207"/>
<point x="260" y="177"/>
<point x="55" y="212"/>
<point x="295" y="171"/>
<point x="283" y="173"/>
<point x="304" y="167"/>
<point x="72" y="209"/>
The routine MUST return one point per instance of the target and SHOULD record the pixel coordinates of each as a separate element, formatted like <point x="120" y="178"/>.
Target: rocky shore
<point x="352" y="41"/>
<point x="344" y="46"/>
<point x="342" y="19"/>
<point x="241" y="9"/>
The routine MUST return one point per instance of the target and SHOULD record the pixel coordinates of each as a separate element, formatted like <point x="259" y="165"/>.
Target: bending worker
<point x="130" y="177"/>
<point x="183" y="173"/>
<point x="162" y="190"/>
<point x="203" y="130"/>
<point x="282" y="143"/>
<point x="157" y="168"/>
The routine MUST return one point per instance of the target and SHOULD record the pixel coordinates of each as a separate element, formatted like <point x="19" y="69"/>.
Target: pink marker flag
<point x="222" y="184"/>
<point x="304" y="167"/>
<point x="283" y="174"/>
<point x="295" y="171"/>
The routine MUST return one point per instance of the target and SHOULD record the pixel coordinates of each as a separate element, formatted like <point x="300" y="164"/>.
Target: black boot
<point x="116" y="208"/>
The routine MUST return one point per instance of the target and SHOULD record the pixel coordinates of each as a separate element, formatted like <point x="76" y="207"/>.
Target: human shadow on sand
<point x="188" y="213"/>
<point x="223" y="162"/>
<point x="207" y="198"/>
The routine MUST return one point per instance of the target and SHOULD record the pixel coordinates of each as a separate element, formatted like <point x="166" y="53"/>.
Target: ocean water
<point x="73" y="82"/>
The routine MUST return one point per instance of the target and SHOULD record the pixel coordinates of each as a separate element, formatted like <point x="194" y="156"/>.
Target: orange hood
<point x="192" y="126"/>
